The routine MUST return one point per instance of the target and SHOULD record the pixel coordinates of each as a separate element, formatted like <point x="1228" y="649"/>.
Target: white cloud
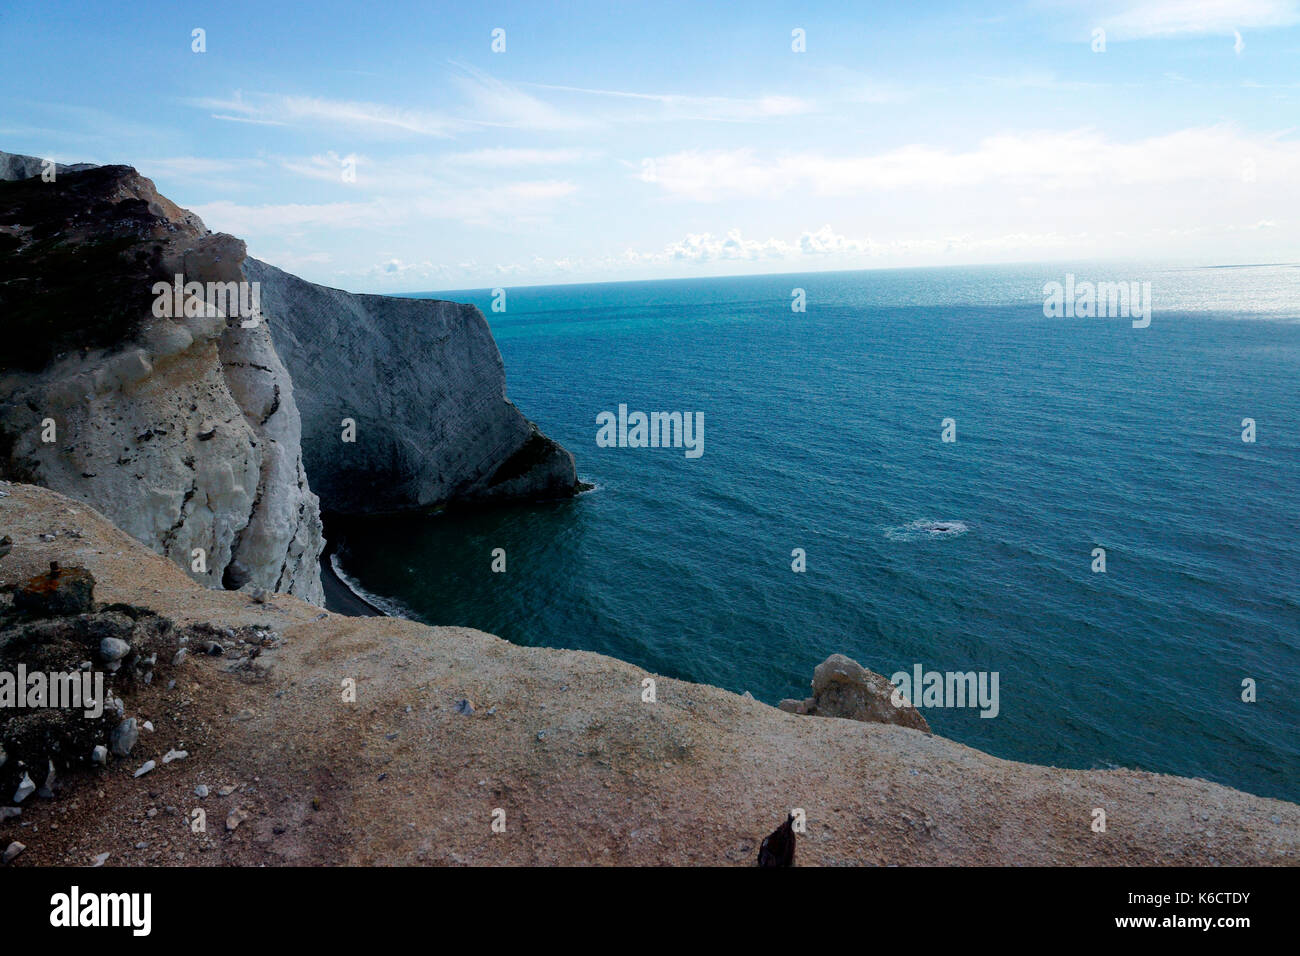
<point x="227" y="175"/>
<point x="363" y="117"/>
<point x="196" y="166"/>
<point x="708" y="175"/>
<point x="487" y="102"/>
<point x="497" y="207"/>
<point x="503" y="158"/>
<point x="411" y="178"/>
<point x="276" y="218"/>
<point x="397" y="269"/>
<point x="1052" y="161"/>
<point x="1164" y="18"/>
<point x="371" y="116"/>
<point x="875" y="93"/>
<point x="827" y="244"/>
<point x="493" y="102"/>
<point x="1039" y="80"/>
<point x="326" y="168"/>
<point x="247" y="119"/>
<point x="665" y="107"/>
<point x="705" y="247"/>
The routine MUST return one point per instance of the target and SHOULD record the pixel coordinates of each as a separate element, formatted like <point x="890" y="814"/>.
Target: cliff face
<point x="424" y="384"/>
<point x="183" y="430"/>
<point x="187" y="431"/>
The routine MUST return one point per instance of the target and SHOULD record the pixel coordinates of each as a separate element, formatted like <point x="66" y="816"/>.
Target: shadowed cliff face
<point x="424" y="384"/>
<point x="183" y="429"/>
<point x="78" y="257"/>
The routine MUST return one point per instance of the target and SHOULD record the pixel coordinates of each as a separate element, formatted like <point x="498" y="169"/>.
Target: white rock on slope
<point x="15" y="166"/>
<point x="187" y="435"/>
<point x="279" y="549"/>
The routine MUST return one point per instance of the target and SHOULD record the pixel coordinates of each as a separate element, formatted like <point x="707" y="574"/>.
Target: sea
<point x="920" y="467"/>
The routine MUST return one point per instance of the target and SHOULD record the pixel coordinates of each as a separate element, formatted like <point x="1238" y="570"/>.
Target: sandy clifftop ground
<point x="561" y="741"/>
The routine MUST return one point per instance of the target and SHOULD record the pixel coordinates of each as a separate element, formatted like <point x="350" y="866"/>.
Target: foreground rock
<point x="582" y="770"/>
<point x="184" y="429"/>
<point x="96" y="655"/>
<point x="423" y="383"/>
<point x="57" y="592"/>
<point x="844" y="688"/>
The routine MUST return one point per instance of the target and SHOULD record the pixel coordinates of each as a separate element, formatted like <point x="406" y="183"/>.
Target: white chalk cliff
<point x="197" y="433"/>
<point x="184" y="430"/>
<point x="424" y="384"/>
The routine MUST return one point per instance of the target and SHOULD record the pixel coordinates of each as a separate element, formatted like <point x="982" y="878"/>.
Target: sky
<point x="389" y="147"/>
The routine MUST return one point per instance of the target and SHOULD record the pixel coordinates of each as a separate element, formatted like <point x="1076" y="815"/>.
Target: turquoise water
<point x="823" y="432"/>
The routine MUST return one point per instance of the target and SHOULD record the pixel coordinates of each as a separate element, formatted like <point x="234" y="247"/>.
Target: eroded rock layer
<point x="184" y="430"/>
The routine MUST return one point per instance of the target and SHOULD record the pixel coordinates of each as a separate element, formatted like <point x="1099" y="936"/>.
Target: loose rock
<point x="113" y="649"/>
<point x="124" y="738"/>
<point x="25" y="789"/>
<point x="46" y="792"/>
<point x="844" y="688"/>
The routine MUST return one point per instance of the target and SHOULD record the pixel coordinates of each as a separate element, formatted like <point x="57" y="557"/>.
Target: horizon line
<point x="1182" y="263"/>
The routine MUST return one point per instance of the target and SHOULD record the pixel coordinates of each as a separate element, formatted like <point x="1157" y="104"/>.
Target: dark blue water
<point x="823" y="432"/>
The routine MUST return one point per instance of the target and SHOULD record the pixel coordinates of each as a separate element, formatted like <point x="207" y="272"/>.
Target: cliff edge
<point x="197" y="430"/>
<point x="322" y="739"/>
<point x="182" y="427"/>
<point x="403" y="401"/>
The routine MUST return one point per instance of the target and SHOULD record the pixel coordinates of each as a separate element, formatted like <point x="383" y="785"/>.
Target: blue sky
<point x="668" y="139"/>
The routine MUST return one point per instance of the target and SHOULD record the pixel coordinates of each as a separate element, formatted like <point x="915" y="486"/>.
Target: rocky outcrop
<point x="14" y="166"/>
<point x="90" y="656"/>
<point x="184" y="430"/>
<point x="844" y="688"/>
<point x="423" y="382"/>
